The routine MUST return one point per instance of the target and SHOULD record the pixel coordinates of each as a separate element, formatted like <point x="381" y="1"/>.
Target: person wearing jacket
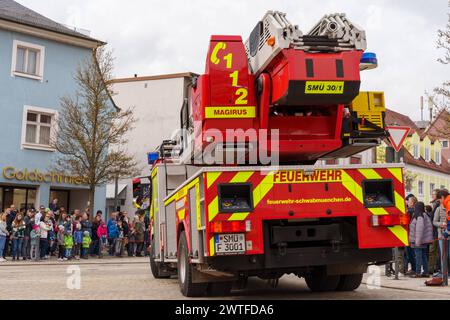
<point x="18" y="233"/>
<point x="68" y="245"/>
<point x="102" y="235"/>
<point x="94" y="236"/>
<point x="113" y="233"/>
<point x="444" y="197"/>
<point x="60" y="241"/>
<point x="434" y="261"/>
<point x="420" y="236"/>
<point x="3" y="234"/>
<point x="139" y="229"/>
<point x="29" y="221"/>
<point x="44" y="227"/>
<point x="409" y="257"/>
<point x="85" y="245"/>
<point x="77" y="241"/>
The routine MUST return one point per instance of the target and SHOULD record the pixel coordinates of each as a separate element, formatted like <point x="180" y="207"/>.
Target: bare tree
<point x="91" y="130"/>
<point x="440" y="98"/>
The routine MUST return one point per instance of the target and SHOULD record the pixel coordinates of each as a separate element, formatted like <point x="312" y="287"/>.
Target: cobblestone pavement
<point x="130" y="278"/>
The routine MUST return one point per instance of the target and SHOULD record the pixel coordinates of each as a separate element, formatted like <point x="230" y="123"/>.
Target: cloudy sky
<point x="152" y="37"/>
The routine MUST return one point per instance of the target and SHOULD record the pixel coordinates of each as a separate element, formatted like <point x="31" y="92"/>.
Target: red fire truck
<point x="296" y="98"/>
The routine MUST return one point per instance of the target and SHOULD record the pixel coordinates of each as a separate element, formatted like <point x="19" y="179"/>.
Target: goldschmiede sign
<point x="27" y="175"/>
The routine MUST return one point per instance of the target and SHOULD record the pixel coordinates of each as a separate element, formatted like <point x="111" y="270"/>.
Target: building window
<point x="37" y="128"/>
<point x="437" y="157"/>
<point x="416" y="151"/>
<point x="420" y="187"/>
<point x="427" y="154"/>
<point x="444" y="143"/>
<point x="27" y="60"/>
<point x="432" y="187"/>
<point x="355" y="160"/>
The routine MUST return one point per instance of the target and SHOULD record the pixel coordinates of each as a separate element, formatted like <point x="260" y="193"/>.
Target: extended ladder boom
<point x="274" y="32"/>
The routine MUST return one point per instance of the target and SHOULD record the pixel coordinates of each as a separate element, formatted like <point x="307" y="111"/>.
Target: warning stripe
<point x="356" y="190"/>
<point x="211" y="177"/>
<point x="372" y="174"/>
<point x="213" y="206"/>
<point x="258" y="194"/>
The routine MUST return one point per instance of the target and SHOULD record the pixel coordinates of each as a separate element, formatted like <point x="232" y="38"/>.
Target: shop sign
<point x="11" y="173"/>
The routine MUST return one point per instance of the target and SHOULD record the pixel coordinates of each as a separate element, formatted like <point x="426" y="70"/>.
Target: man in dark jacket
<point x="26" y="245"/>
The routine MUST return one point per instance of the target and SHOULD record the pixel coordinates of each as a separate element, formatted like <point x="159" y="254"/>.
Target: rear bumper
<point x="293" y="260"/>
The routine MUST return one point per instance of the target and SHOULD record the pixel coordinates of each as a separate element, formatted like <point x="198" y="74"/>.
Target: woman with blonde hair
<point x="3" y="234"/>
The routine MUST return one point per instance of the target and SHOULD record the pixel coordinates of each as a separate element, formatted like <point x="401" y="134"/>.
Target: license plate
<point x="324" y="87"/>
<point x="232" y="243"/>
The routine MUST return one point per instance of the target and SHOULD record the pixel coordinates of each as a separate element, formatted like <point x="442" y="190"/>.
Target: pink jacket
<point x="102" y="231"/>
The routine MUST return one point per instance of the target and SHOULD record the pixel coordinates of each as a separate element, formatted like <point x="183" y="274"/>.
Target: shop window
<point x="27" y="60"/>
<point x="37" y="128"/>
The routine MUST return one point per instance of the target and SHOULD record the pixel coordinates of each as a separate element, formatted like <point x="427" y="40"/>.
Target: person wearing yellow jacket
<point x="68" y="245"/>
<point x="85" y="245"/>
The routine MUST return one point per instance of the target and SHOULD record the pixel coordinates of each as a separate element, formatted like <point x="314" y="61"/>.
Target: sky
<point x="151" y="37"/>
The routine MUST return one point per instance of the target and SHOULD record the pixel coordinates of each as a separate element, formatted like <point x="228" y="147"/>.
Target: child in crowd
<point x="78" y="240"/>
<point x="34" y="242"/>
<point x="85" y="245"/>
<point x="68" y="245"/>
<point x="102" y="233"/>
<point x="60" y="240"/>
<point x="119" y="241"/>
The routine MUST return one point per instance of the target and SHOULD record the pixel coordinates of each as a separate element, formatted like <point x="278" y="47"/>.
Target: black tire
<point x="219" y="289"/>
<point x="187" y="287"/>
<point x="156" y="266"/>
<point x="350" y="282"/>
<point x="319" y="281"/>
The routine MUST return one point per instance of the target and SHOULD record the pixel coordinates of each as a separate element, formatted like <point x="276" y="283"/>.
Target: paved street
<point x="130" y="278"/>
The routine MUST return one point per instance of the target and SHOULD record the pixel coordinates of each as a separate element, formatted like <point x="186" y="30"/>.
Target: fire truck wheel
<point x="187" y="287"/>
<point x="156" y="266"/>
<point x="318" y="281"/>
<point x="219" y="289"/>
<point x="350" y="282"/>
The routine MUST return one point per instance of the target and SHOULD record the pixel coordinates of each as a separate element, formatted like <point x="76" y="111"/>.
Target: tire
<point x="318" y="281"/>
<point x="219" y="289"/>
<point x="156" y="266"/>
<point x="187" y="287"/>
<point x="349" y="282"/>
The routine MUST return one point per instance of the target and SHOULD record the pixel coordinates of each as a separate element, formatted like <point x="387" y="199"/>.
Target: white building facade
<point x="157" y="101"/>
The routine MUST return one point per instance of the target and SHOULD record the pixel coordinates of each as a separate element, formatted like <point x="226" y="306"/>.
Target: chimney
<point x="421" y="108"/>
<point x="430" y="107"/>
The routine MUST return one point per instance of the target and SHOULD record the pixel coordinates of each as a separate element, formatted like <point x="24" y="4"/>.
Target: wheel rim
<point x="182" y="266"/>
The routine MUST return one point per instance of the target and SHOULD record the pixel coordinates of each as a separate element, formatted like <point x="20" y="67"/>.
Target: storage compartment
<point x="378" y="193"/>
<point x="235" y="197"/>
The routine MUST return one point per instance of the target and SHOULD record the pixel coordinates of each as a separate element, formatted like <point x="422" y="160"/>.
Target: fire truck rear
<point x="295" y="98"/>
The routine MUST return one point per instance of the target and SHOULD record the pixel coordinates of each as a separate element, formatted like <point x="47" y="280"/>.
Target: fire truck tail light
<point x="230" y="226"/>
<point x="390" y="220"/>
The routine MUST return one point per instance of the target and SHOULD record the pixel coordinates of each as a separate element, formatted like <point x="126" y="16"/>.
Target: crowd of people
<point x="38" y="234"/>
<point x="429" y="228"/>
